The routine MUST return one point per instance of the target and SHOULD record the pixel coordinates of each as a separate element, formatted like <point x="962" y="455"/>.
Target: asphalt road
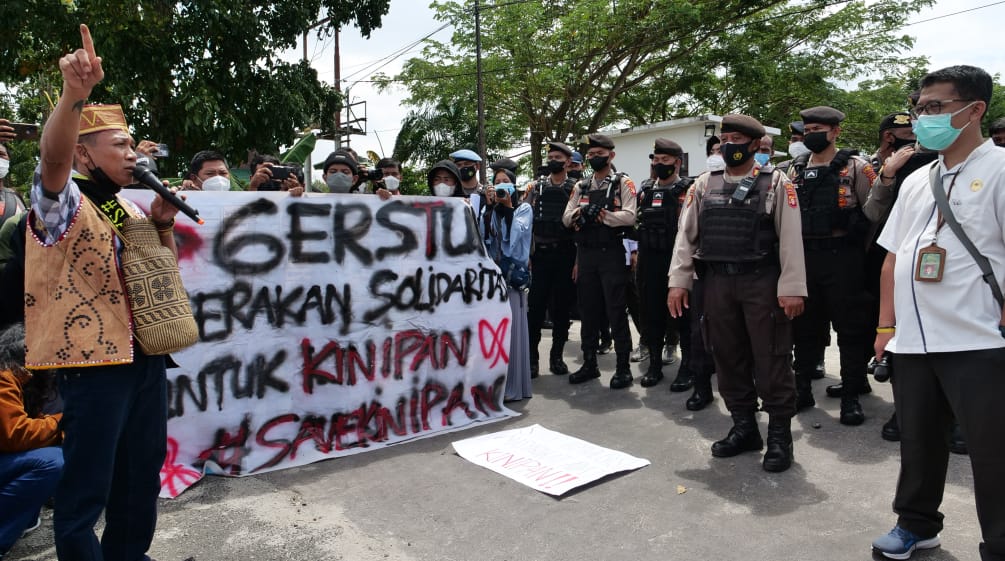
<point x="419" y="501"/>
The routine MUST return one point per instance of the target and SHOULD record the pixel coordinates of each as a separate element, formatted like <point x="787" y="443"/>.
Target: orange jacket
<point x="18" y="431"/>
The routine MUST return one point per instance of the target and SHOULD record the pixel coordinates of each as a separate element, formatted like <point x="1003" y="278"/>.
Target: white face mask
<point x="443" y="190"/>
<point x="4" y="167"/>
<point x="391" y="183"/>
<point x="715" y="163"/>
<point x="216" y="183"/>
<point x="797" y="149"/>
<point x="339" y="182"/>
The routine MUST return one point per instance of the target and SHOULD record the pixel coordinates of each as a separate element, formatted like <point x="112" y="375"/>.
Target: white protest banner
<point x="545" y="460"/>
<point x="329" y="325"/>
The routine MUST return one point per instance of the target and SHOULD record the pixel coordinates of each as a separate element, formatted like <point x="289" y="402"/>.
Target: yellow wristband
<point x="886" y="330"/>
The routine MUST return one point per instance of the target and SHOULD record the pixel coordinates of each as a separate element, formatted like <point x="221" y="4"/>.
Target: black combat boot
<point x="586" y="372"/>
<point x="684" y="379"/>
<point x="555" y="362"/>
<point x="534" y="370"/>
<point x="743" y="437"/>
<point x="622" y="374"/>
<point x="957" y="443"/>
<point x="837" y="390"/>
<point x="804" y="391"/>
<point x="778" y="456"/>
<point x="891" y="430"/>
<point x="701" y="397"/>
<point x="655" y="372"/>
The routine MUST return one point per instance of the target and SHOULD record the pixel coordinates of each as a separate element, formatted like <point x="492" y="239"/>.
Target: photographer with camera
<point x="386" y="178"/>
<point x="507" y="230"/>
<point x="269" y="174"/>
<point x="600" y="210"/>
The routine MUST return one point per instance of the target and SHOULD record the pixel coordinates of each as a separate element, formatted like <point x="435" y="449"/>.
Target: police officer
<point x="553" y="258"/>
<point x="600" y="210"/>
<point x="742" y="227"/>
<point x="833" y="186"/>
<point x="659" y="207"/>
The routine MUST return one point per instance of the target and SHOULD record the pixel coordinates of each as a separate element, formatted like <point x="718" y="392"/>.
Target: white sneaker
<point x="640" y="353"/>
<point x="670" y="354"/>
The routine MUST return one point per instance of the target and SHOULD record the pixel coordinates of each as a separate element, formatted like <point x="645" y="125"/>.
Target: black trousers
<point x="930" y="389"/>
<point x="835" y="281"/>
<point x="748" y="332"/>
<point x="551" y="291"/>
<point x="601" y="285"/>
<point x="652" y="276"/>
<point x="700" y="361"/>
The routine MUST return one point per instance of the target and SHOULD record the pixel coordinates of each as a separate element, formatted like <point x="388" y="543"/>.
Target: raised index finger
<point x="85" y="38"/>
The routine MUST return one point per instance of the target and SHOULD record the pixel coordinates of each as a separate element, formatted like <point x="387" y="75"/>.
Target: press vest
<point x="659" y="209"/>
<point x="731" y="231"/>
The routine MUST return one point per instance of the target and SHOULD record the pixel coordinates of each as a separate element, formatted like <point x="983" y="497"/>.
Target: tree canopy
<point x="194" y="74"/>
<point x="559" y="69"/>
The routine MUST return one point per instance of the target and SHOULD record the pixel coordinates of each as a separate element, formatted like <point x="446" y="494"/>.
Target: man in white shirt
<point x="940" y="319"/>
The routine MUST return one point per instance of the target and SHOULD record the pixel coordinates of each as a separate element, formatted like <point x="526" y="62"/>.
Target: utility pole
<point x="481" y="94"/>
<point x="338" y="82"/>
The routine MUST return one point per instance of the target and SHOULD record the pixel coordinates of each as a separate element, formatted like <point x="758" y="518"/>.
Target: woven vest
<point x="75" y="308"/>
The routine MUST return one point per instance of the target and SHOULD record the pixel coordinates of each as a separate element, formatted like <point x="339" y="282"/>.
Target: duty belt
<point x="733" y="269"/>
<point x="834" y="242"/>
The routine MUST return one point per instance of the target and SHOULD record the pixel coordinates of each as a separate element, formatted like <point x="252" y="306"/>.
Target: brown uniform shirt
<point x="624" y="199"/>
<point x="784" y="207"/>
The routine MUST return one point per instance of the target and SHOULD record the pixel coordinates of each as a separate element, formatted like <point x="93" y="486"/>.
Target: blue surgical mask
<point x="761" y="158"/>
<point x="936" y="132"/>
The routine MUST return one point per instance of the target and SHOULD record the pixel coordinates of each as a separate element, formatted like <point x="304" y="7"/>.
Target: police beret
<point x="667" y="146"/>
<point x="577" y="158"/>
<point x="743" y="124"/>
<point x="504" y="163"/>
<point x="899" y="120"/>
<point x="598" y="141"/>
<point x="340" y="157"/>
<point x="466" y="155"/>
<point x="796" y="127"/>
<point x="559" y="147"/>
<point x="822" y="114"/>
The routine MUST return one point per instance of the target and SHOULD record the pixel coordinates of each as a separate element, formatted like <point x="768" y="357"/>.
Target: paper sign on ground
<point x="548" y="461"/>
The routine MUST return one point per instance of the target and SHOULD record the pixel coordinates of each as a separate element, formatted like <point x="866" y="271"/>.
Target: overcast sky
<point x="965" y="38"/>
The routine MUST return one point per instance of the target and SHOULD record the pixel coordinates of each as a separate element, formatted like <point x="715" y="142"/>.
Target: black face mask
<point x="576" y="173"/>
<point x="735" y="154"/>
<point x="899" y="143"/>
<point x="816" y="141"/>
<point x="468" y="174"/>
<point x="599" y="162"/>
<point x="555" y="166"/>
<point x="664" y="171"/>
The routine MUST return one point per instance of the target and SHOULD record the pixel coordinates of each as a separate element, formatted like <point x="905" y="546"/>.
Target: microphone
<point x="149" y="180"/>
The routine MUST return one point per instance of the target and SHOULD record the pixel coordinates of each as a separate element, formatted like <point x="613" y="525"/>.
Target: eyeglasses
<point x="933" y="107"/>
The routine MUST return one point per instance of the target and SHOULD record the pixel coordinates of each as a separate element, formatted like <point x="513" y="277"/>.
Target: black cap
<point x="341" y="157"/>
<point x="796" y="127"/>
<point x="598" y="141"/>
<point x="559" y="147"/>
<point x="822" y="114"/>
<point x="743" y="124"/>
<point x="898" y="120"/>
<point x="504" y="163"/>
<point x="451" y="167"/>
<point x="667" y="146"/>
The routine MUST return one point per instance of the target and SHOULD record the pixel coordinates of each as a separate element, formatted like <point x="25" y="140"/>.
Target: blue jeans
<point x="115" y="423"/>
<point x="27" y="479"/>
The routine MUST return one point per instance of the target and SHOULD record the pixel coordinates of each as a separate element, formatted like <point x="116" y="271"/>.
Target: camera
<point x="588" y="215"/>
<point x="25" y="131"/>
<point x="280" y="173"/>
<point x="161" y="151"/>
<point x="881" y="369"/>
<point x="374" y="175"/>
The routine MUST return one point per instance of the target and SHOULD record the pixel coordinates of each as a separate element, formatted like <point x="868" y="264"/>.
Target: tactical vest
<point x="818" y="189"/>
<point x="732" y="231"/>
<point x="593" y="233"/>
<point x="659" y="209"/>
<point x="549" y="204"/>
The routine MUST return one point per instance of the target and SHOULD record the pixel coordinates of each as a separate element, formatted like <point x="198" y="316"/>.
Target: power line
<point x="954" y="13"/>
<point x="395" y="54"/>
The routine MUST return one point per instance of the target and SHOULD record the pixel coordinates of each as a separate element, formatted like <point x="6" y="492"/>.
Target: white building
<point x="633" y="146"/>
